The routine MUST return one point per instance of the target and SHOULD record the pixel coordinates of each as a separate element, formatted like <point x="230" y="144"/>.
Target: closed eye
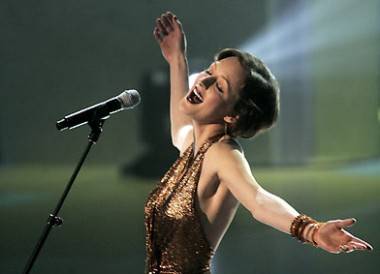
<point x="219" y="88"/>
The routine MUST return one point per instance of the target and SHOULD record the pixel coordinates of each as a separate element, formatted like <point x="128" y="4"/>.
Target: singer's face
<point x="215" y="91"/>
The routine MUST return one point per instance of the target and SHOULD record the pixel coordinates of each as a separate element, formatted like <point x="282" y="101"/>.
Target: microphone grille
<point x="129" y="98"/>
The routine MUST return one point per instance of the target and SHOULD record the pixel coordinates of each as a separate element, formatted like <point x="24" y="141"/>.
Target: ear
<point x="231" y="119"/>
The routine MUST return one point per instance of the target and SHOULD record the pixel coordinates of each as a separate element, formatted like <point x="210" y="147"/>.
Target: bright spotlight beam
<point x="320" y="25"/>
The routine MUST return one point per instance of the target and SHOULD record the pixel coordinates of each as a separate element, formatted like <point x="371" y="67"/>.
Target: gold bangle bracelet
<point x="298" y="226"/>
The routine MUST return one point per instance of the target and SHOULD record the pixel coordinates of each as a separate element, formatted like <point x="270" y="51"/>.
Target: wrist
<point x="305" y="229"/>
<point x="312" y="234"/>
<point x="315" y="237"/>
<point x="177" y="60"/>
<point x="308" y="232"/>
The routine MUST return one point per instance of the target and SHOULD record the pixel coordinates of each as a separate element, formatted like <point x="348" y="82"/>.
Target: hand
<point x="333" y="238"/>
<point x="170" y="36"/>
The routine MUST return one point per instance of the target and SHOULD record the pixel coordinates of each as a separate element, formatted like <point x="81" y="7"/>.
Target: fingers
<point x="165" y="24"/>
<point x="172" y="20"/>
<point x="161" y="27"/>
<point x="357" y="246"/>
<point x="177" y="23"/>
<point x="354" y="242"/>
<point x="351" y="246"/>
<point x="357" y="241"/>
<point x="346" y="223"/>
<point x="160" y="31"/>
<point x="157" y="35"/>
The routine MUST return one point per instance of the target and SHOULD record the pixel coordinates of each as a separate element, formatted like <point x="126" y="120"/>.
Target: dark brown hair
<point x="258" y="105"/>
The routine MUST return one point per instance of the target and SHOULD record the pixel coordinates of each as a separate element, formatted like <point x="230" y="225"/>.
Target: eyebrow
<point x="221" y="75"/>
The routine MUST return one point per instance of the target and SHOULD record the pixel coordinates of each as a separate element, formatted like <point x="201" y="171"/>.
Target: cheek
<point x="218" y="107"/>
<point x="224" y="109"/>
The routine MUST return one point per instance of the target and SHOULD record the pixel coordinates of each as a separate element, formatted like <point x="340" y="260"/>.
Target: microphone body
<point x="126" y="100"/>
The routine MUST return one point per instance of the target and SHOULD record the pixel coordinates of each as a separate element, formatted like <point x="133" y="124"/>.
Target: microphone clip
<point x="96" y="124"/>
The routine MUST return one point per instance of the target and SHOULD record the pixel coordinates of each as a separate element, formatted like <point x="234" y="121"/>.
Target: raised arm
<point x="172" y="41"/>
<point x="233" y="170"/>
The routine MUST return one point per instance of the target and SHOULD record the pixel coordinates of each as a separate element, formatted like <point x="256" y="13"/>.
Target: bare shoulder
<point x="226" y="146"/>
<point x="225" y="153"/>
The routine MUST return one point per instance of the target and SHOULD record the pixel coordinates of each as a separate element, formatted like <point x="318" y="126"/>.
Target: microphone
<point x="126" y="100"/>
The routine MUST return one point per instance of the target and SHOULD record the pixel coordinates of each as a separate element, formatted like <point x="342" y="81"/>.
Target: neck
<point x="203" y="132"/>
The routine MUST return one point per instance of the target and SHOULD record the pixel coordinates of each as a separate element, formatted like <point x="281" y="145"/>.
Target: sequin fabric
<point x="175" y="240"/>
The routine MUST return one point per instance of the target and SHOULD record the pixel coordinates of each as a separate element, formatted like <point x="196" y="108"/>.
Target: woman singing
<point x="189" y="211"/>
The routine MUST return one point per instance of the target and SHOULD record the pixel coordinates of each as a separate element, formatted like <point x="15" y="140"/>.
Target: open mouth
<point x="194" y="97"/>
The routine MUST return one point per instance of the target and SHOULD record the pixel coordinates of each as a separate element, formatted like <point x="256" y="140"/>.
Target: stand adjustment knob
<point x="55" y="220"/>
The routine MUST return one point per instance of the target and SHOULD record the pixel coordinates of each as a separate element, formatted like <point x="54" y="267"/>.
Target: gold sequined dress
<point x="175" y="240"/>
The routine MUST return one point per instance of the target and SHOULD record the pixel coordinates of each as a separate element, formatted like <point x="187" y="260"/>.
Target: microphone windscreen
<point x="129" y="98"/>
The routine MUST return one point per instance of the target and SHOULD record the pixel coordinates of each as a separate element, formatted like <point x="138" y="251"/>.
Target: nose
<point x="207" y="81"/>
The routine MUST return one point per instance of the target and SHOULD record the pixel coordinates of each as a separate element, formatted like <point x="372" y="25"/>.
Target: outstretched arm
<point x="170" y="36"/>
<point x="233" y="170"/>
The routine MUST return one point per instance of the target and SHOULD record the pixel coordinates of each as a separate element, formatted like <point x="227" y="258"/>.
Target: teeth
<point x="198" y="95"/>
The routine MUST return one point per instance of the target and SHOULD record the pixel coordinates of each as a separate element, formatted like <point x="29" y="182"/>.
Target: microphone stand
<point x="53" y="220"/>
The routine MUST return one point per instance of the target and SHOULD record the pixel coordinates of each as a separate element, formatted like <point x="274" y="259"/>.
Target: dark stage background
<point x="322" y="157"/>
